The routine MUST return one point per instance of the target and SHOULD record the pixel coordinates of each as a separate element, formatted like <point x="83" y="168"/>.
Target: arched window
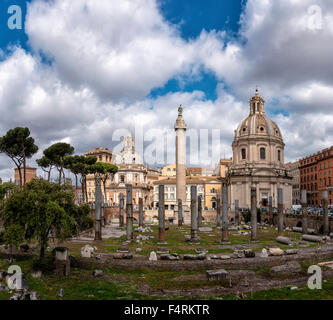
<point x="243" y="154"/>
<point x="262" y="153"/>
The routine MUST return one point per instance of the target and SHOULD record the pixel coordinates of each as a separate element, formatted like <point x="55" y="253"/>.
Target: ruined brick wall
<point x="296" y="221"/>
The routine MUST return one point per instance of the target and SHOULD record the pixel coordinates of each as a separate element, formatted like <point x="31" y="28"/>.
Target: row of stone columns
<point x="129" y="211"/>
<point x="196" y="212"/>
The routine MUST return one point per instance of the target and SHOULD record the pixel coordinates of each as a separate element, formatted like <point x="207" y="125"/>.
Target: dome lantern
<point x="257" y="104"/>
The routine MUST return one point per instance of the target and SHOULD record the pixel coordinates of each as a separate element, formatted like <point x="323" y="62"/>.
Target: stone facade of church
<point x="131" y="170"/>
<point x="258" y="160"/>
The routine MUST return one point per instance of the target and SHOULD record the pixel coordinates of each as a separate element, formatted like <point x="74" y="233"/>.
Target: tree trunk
<point x="82" y="190"/>
<point x="85" y="188"/>
<point x="24" y="170"/>
<point x="59" y="176"/>
<point x="42" y="252"/>
<point x="20" y="175"/>
<point x="76" y="197"/>
<point x="63" y="174"/>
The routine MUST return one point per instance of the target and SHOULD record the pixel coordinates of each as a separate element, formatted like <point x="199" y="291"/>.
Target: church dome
<point x="258" y="140"/>
<point x="258" y="160"/>
<point x="257" y="123"/>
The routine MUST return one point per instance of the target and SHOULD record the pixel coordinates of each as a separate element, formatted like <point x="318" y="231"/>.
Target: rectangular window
<point x="262" y="153"/>
<point x="279" y="155"/>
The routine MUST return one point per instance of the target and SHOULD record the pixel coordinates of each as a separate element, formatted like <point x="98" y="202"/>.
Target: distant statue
<point x="180" y="110"/>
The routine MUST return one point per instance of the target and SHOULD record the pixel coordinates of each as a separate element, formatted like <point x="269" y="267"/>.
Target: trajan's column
<point x="180" y="129"/>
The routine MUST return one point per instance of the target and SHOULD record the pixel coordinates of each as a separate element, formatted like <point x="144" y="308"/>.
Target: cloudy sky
<point x="81" y="70"/>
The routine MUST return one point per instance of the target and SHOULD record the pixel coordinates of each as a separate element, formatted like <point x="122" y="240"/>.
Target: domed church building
<point x="258" y="160"/>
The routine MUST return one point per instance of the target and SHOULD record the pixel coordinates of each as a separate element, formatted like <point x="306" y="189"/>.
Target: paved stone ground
<point x="109" y="231"/>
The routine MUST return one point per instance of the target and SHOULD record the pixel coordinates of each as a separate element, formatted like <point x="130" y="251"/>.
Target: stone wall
<point x="290" y="221"/>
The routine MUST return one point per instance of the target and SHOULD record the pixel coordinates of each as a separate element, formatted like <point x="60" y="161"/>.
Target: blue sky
<point x="190" y="16"/>
<point x="193" y="16"/>
<point x="81" y="70"/>
<point x="8" y="36"/>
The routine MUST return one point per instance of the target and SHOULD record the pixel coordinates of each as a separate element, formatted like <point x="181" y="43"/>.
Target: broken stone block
<point x="118" y="256"/>
<point x="220" y="274"/>
<point x="283" y="240"/>
<point x="62" y="261"/>
<point x="138" y="250"/>
<point x="61" y="293"/>
<point x="264" y="253"/>
<point x="34" y="296"/>
<point x="153" y="256"/>
<point x="249" y="253"/>
<point x="87" y="251"/>
<point x="98" y="273"/>
<point x="310" y="231"/>
<point x="162" y="250"/>
<point x="37" y="274"/>
<point x="275" y="252"/>
<point x="205" y="229"/>
<point x="123" y="249"/>
<point x="225" y="257"/>
<point x="142" y="238"/>
<point x="201" y="250"/>
<point x="144" y="229"/>
<point x="243" y="233"/>
<point x="127" y="256"/>
<point x="16" y="296"/>
<point x="194" y="256"/>
<point x="291" y="251"/>
<point x="311" y="238"/>
<point x="289" y="267"/>
<point x="171" y="257"/>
